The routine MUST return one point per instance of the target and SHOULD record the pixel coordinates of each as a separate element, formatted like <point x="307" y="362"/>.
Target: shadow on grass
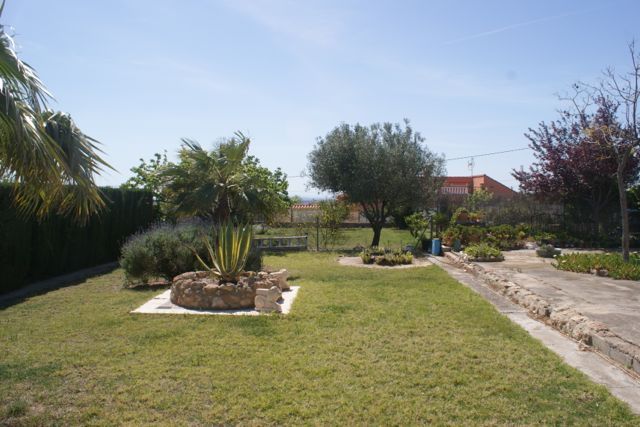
<point x="148" y="287"/>
<point x="42" y="287"/>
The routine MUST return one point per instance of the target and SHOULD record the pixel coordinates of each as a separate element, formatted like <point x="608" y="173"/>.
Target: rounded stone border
<point x="356" y="261"/>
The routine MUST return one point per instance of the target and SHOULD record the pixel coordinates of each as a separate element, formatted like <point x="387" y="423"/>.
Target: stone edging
<point x="565" y="318"/>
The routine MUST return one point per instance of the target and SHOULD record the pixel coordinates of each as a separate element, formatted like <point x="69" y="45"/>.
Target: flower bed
<point x="483" y="252"/>
<point x="602" y="264"/>
<point x="385" y="257"/>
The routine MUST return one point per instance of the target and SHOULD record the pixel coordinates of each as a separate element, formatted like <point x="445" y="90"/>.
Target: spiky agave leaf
<point x="230" y="252"/>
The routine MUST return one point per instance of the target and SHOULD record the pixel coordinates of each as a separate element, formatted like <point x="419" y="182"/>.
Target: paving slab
<point x="616" y="303"/>
<point x="161" y="304"/>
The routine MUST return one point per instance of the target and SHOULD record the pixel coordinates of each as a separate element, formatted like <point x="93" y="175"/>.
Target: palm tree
<point x="212" y="184"/>
<point x="51" y="163"/>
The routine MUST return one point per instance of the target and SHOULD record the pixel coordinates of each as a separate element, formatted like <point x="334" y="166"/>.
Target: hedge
<point x="32" y="250"/>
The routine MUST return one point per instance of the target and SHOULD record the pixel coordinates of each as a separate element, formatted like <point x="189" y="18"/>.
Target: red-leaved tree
<point x="574" y="166"/>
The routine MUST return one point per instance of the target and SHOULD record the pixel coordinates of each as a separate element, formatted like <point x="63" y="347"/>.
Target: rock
<point x="281" y="278"/>
<point x="266" y="300"/>
<point x="192" y="275"/>
<point x="200" y="290"/>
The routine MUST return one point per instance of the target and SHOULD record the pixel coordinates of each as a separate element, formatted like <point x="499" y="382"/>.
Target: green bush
<point x="609" y="264"/>
<point x="504" y="237"/>
<point x="394" y="258"/>
<point x="548" y="251"/>
<point x="483" y="252"/>
<point x="166" y="250"/>
<point x="418" y="226"/>
<point x="33" y="250"/>
<point x="386" y="257"/>
<point x="545" y="238"/>
<point x="368" y="254"/>
<point x="467" y="234"/>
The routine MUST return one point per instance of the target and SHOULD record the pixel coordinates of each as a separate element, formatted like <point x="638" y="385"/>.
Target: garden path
<point x="616" y="303"/>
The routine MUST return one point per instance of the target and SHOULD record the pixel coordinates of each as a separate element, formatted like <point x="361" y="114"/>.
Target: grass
<point x="352" y="237"/>
<point x="360" y="347"/>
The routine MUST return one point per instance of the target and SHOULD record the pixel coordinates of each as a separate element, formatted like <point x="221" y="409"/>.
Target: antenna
<point x="471" y="164"/>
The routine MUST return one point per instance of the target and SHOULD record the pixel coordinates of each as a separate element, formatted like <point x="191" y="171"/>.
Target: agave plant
<point x="230" y="251"/>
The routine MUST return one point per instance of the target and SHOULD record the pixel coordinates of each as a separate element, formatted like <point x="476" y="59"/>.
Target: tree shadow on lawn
<point x="149" y="287"/>
<point x="45" y="286"/>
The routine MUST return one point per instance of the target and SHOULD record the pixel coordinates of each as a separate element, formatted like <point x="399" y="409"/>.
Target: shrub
<point x="609" y="264"/>
<point x="418" y="226"/>
<point x="460" y="215"/>
<point x="387" y="257"/>
<point x="332" y="214"/>
<point x="545" y="238"/>
<point x="166" y="250"/>
<point x="484" y="252"/>
<point x="394" y="258"/>
<point x="467" y="234"/>
<point x="548" y="251"/>
<point x="368" y="254"/>
<point x="503" y="237"/>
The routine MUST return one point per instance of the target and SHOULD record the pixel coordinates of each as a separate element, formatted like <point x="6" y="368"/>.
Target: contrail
<point x="518" y="25"/>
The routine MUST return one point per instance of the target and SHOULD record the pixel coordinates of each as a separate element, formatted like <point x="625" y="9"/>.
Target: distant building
<point x="464" y="185"/>
<point x="308" y="212"/>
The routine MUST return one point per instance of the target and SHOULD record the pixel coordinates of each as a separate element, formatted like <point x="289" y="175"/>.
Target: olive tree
<point x="380" y="167"/>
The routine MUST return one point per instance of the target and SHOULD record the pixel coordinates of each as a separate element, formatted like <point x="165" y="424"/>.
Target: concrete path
<point x="616" y="303"/>
<point x="619" y="382"/>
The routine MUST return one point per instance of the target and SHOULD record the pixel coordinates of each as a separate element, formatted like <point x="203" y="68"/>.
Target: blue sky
<point x="471" y="76"/>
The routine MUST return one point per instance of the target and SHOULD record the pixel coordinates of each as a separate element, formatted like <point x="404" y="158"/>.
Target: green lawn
<point x="361" y="346"/>
<point x="352" y="237"/>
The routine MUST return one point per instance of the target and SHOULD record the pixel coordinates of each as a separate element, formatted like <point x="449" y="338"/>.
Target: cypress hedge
<point x="32" y="250"/>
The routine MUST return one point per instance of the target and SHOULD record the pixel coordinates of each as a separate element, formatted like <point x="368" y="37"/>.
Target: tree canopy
<point x="148" y="176"/>
<point x="381" y="167"/>
<point x="224" y="183"/>
<point x="574" y="166"/>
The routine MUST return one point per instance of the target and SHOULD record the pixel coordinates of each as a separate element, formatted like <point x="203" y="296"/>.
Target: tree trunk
<point x="624" y="214"/>
<point x="377" y="231"/>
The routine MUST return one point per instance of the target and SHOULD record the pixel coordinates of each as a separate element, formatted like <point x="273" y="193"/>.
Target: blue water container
<point x="436" y="247"/>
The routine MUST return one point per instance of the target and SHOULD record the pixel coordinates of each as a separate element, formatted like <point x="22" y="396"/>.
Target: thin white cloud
<point x="516" y="26"/>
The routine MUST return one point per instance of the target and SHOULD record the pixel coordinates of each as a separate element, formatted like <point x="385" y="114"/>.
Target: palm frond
<point x="52" y="163"/>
